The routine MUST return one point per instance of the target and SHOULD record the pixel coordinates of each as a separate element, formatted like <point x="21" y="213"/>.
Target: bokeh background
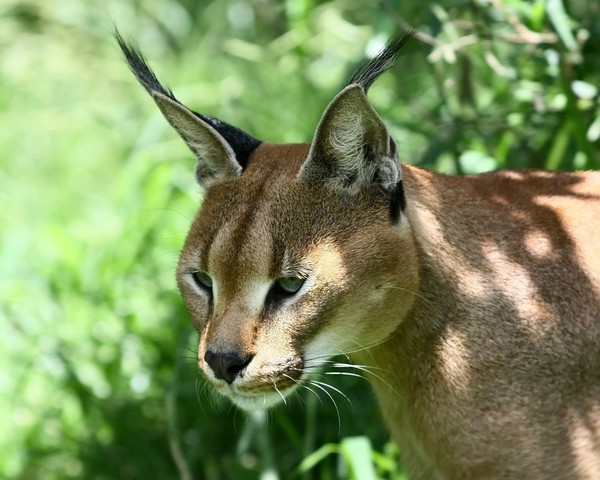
<point x="97" y="377"/>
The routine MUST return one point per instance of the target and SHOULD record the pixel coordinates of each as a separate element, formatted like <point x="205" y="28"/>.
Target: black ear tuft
<point x="365" y="76"/>
<point x="242" y="143"/>
<point x="372" y="70"/>
<point x="141" y="70"/>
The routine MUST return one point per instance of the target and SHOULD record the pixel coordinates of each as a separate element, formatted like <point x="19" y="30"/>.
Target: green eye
<point x="289" y="285"/>
<point x="203" y="280"/>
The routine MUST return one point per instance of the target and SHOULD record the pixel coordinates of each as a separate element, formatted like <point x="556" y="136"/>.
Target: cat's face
<point x="278" y="277"/>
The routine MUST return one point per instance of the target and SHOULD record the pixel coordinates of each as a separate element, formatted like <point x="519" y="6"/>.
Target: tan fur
<point x="498" y="371"/>
<point x="472" y="302"/>
<point x="487" y="293"/>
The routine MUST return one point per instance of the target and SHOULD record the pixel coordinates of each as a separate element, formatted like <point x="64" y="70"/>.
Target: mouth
<point x="259" y="400"/>
<point x="261" y="390"/>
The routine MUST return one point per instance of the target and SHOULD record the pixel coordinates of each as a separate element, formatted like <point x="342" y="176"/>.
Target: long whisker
<point x="313" y="392"/>
<point x="365" y="368"/>
<point x="334" y="404"/>
<point x="197" y="388"/>
<point x="396" y="287"/>
<point x="291" y="378"/>
<point x="295" y="392"/>
<point x="302" y="385"/>
<point x="362" y="368"/>
<point x="277" y="390"/>
<point x="348" y="374"/>
<point x="324" y="384"/>
<point x="297" y="395"/>
<point x="333" y="363"/>
<point x="360" y="348"/>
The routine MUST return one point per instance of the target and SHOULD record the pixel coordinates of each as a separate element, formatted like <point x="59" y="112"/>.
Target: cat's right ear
<point x="221" y="150"/>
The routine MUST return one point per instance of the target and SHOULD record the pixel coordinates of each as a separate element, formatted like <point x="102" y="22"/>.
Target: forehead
<point x="236" y="220"/>
<point x="251" y="225"/>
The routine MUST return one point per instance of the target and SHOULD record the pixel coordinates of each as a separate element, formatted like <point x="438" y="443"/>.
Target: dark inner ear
<point x="240" y="142"/>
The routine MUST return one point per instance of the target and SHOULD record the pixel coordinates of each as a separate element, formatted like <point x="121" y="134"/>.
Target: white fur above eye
<point x="256" y="293"/>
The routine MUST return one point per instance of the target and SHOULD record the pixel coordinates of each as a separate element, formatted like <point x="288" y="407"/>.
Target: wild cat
<point x="475" y="298"/>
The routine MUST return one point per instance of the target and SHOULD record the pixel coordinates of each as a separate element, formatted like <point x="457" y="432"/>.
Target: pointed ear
<point x="216" y="158"/>
<point x="352" y="149"/>
<point x="221" y="149"/>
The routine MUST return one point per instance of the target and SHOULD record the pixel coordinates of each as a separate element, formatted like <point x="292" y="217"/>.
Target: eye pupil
<point x="203" y="280"/>
<point x="289" y="285"/>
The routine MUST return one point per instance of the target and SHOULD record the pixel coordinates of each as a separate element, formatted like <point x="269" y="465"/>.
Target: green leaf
<point x="560" y="22"/>
<point x="559" y="146"/>
<point x="473" y="161"/>
<point x="317" y="456"/>
<point x="593" y="132"/>
<point x="357" y="454"/>
<point x="584" y="89"/>
<point x="536" y="15"/>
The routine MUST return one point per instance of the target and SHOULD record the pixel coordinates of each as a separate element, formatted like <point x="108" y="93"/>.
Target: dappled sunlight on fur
<point x="472" y="304"/>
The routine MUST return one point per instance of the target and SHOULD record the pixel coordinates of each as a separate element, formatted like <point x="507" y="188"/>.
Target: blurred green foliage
<point x="98" y="375"/>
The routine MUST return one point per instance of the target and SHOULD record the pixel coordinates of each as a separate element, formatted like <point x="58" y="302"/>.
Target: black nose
<point x="227" y="365"/>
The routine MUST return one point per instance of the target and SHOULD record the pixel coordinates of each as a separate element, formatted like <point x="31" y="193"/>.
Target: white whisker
<point x="291" y="378"/>
<point x="348" y="374"/>
<point x="313" y="392"/>
<point x="362" y="368"/>
<point x="334" y="404"/>
<point x="366" y="368"/>
<point x="396" y="287"/>
<point x="277" y="390"/>
<point x="324" y="384"/>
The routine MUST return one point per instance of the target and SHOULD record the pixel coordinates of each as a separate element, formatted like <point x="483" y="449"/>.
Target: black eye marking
<point x="283" y="288"/>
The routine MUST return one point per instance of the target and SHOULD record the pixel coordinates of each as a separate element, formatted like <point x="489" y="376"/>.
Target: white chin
<point x="257" y="401"/>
